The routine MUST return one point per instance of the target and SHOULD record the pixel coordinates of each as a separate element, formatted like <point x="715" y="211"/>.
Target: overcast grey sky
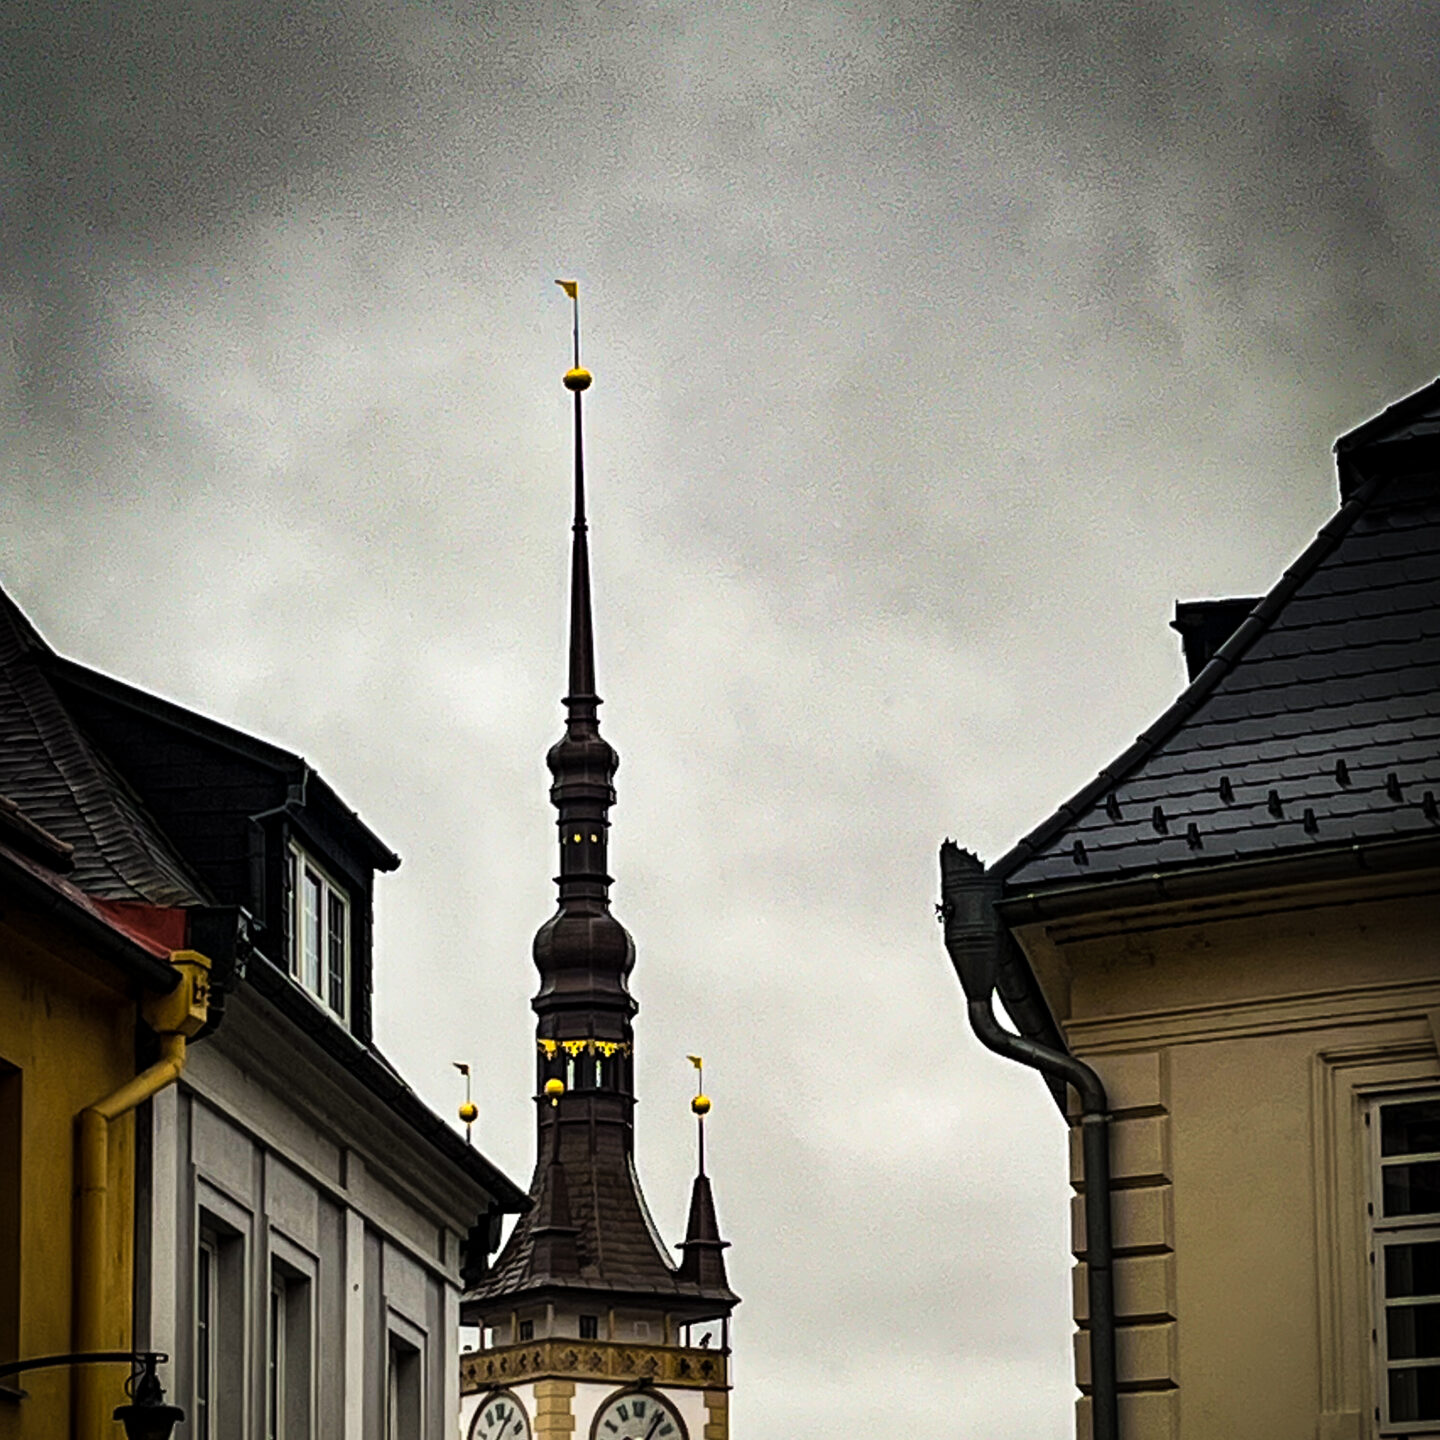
<point x="938" y="350"/>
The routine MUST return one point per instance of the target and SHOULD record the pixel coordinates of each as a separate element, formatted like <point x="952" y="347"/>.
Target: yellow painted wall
<point x="1239" y="1042"/>
<point x="68" y="1022"/>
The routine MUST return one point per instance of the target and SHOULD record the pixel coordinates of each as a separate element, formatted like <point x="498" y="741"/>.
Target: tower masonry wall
<point x="568" y="1408"/>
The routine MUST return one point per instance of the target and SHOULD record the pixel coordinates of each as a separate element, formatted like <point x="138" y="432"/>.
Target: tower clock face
<point x="501" y="1417"/>
<point x="638" y="1415"/>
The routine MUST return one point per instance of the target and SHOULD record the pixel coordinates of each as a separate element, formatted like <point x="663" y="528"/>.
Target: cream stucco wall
<point x="1241" y="1039"/>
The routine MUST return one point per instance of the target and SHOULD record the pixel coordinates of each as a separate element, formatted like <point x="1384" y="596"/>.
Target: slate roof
<point x="62" y="783"/>
<point x="74" y="832"/>
<point x="618" y="1248"/>
<point x="1316" y="724"/>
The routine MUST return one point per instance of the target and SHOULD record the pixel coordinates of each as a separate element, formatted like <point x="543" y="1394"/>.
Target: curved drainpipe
<point x="174" y="1017"/>
<point x="974" y="937"/>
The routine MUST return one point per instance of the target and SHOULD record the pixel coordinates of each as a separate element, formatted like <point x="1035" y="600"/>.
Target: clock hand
<point x="659" y="1416"/>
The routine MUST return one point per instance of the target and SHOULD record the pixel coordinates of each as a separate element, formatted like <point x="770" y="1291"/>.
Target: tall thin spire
<point x="589" y="1229"/>
<point x="581" y="701"/>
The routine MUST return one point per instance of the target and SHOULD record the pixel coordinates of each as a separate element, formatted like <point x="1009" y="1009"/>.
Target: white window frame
<point x="1386" y="1231"/>
<point x="303" y="866"/>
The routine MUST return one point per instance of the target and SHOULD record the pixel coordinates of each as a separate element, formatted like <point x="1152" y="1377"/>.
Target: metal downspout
<point x="973" y="937"/>
<point x="175" y="1017"/>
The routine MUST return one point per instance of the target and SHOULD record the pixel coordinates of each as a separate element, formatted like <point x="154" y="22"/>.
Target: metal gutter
<point x="976" y="939"/>
<point x="1227" y="877"/>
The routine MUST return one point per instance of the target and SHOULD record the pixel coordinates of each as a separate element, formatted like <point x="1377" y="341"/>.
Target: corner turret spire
<point x="703" y="1250"/>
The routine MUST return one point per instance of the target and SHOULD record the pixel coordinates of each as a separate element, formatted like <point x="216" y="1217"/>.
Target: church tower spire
<point x="585" y="1263"/>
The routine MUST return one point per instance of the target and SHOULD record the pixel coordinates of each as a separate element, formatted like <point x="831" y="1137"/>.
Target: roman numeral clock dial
<point x="501" y="1417"/>
<point x="636" y="1416"/>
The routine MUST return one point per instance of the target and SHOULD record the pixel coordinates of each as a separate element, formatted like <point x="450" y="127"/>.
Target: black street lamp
<point x="147" y="1416"/>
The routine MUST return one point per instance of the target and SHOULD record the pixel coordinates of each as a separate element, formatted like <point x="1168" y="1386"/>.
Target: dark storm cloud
<point x="938" y="350"/>
<point x="1275" y="159"/>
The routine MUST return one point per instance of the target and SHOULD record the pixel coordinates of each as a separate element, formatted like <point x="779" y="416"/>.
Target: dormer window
<point x="319" y="934"/>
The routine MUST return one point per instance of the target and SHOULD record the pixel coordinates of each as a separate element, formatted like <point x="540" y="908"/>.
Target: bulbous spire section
<point x="582" y="952"/>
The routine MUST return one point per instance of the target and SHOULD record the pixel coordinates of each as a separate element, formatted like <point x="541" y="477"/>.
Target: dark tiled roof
<point x="619" y="1249"/>
<point x="61" y="783"/>
<point x="1317" y="724"/>
<point x="73" y="831"/>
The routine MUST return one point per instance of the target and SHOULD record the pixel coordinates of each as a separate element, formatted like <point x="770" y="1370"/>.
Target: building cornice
<point x="608" y="1361"/>
<point x="268" y="1045"/>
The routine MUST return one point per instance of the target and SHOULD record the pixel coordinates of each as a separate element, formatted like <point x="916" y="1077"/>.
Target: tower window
<point x="527" y="1330"/>
<point x="589" y="1327"/>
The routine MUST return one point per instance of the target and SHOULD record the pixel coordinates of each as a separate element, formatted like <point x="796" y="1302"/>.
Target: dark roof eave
<point x="373" y="1071"/>
<point x="114" y="945"/>
<point x="1296" y="867"/>
<point x="293" y="767"/>
<point x="1376" y="427"/>
<point x="542" y="1287"/>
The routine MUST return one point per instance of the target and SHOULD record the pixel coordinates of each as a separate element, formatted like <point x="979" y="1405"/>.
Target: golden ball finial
<point x="578" y="379"/>
<point x="701" y="1104"/>
<point x="469" y="1113"/>
<point x="554" y="1089"/>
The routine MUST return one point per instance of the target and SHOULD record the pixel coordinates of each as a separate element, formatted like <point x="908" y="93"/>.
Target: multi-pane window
<point x="319" y="933"/>
<point x="289" y="1367"/>
<point x="220" y="1357"/>
<point x="1406" y="1256"/>
<point x="589" y="1327"/>
<point x="207" y="1279"/>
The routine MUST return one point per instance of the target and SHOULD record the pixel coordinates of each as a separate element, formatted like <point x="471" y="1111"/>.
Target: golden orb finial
<point x="578" y="379"/>
<point x="701" y="1104"/>
<point x="554" y="1089"/>
<point x="469" y="1112"/>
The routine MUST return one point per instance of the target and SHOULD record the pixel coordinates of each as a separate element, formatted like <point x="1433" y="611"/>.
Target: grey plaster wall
<point x="264" y="1155"/>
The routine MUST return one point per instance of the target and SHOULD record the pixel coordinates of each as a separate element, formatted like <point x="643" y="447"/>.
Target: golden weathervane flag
<point x="570" y="287"/>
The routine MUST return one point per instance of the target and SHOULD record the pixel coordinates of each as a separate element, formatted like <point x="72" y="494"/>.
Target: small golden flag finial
<point x="576" y="378"/>
<point x="468" y="1111"/>
<point x="701" y="1103"/>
